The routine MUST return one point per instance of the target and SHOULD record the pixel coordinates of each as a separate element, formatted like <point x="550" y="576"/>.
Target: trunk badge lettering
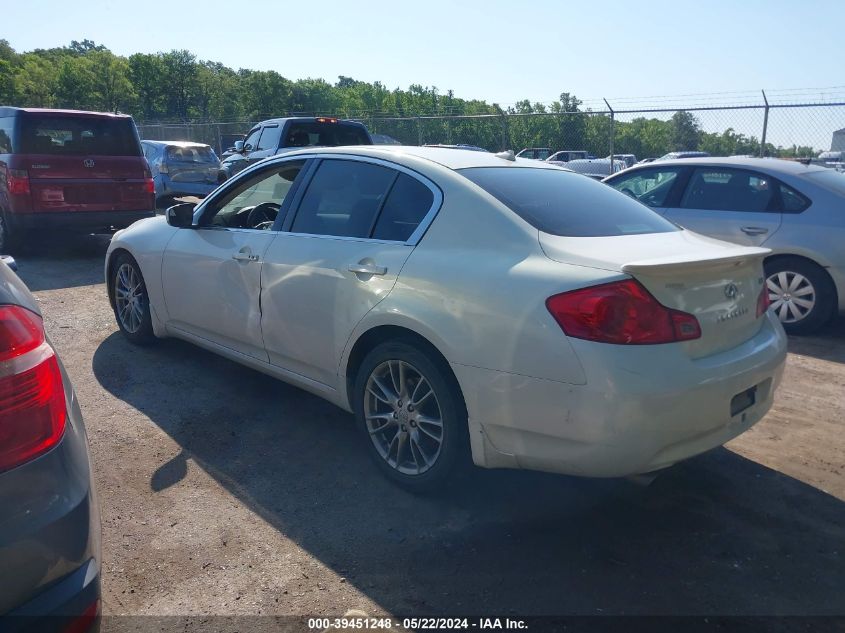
<point x="733" y="314"/>
<point x="88" y="162"/>
<point x="731" y="291"/>
<point x="40" y="166"/>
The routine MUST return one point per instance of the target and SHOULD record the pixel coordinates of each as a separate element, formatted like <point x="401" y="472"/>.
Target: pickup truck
<point x="277" y="136"/>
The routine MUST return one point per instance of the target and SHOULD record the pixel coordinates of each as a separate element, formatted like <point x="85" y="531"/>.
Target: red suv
<point x="65" y="169"/>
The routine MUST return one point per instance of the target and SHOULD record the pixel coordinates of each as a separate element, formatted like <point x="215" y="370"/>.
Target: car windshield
<point x="309" y="134"/>
<point x="563" y="203"/>
<point x="829" y="179"/>
<point x="78" y="135"/>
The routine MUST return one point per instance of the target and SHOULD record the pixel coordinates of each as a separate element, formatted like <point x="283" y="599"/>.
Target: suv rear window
<point x="564" y="203"/>
<point x="194" y="154"/>
<point x="78" y="136"/>
<point x="326" y="134"/>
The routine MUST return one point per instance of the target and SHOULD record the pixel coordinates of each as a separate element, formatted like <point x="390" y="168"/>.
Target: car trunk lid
<point x="717" y="282"/>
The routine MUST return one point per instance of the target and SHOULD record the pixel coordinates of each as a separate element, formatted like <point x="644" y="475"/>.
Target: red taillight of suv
<point x="763" y="301"/>
<point x="621" y="312"/>
<point x="17" y="182"/>
<point x="32" y="397"/>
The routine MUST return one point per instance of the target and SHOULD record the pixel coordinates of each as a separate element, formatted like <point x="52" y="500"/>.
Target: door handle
<point x="754" y="230"/>
<point x="367" y="269"/>
<point x="244" y="257"/>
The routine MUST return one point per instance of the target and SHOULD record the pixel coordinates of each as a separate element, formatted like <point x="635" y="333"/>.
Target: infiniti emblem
<point x="88" y="162"/>
<point x="731" y="291"/>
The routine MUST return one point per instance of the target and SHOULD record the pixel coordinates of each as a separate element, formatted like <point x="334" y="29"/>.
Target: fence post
<point x="419" y="131"/>
<point x="504" y="132"/>
<point x="612" y="133"/>
<point x="765" y="125"/>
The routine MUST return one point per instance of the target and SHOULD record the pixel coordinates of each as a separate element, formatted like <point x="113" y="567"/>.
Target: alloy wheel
<point x="403" y="417"/>
<point x="129" y="297"/>
<point x="792" y="295"/>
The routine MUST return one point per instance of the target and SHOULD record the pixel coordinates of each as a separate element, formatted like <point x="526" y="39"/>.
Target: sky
<point x="499" y="51"/>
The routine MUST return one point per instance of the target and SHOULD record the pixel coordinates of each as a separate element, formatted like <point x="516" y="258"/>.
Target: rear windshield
<point x="563" y="203"/>
<point x="193" y="154"/>
<point x="829" y="179"/>
<point x="78" y="136"/>
<point x="325" y="134"/>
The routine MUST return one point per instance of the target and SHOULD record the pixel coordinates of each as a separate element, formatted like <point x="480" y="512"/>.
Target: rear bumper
<point x="78" y="220"/>
<point x="643" y="407"/>
<point x="166" y="187"/>
<point x="72" y="601"/>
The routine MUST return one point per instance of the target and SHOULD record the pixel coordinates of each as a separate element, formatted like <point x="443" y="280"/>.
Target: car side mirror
<point x="10" y="262"/>
<point x="239" y="147"/>
<point x="181" y="215"/>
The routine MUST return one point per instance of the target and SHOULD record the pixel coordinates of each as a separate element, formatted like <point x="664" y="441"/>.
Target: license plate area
<point x="743" y="400"/>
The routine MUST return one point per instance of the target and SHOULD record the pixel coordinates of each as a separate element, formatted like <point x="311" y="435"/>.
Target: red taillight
<point x="149" y="186"/>
<point x="621" y="312"/>
<point x="17" y="180"/>
<point x="84" y="621"/>
<point x="763" y="301"/>
<point x="32" y="397"/>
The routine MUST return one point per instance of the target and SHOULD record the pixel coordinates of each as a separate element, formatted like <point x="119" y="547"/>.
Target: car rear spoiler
<point x="694" y="261"/>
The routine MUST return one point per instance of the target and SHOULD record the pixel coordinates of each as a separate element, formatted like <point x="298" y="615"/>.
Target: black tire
<point x="9" y="236"/>
<point x="136" y="324"/>
<point x="818" y="288"/>
<point x="453" y="436"/>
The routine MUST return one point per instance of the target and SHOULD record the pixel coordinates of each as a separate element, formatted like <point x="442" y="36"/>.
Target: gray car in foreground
<point x="796" y="210"/>
<point x="49" y="521"/>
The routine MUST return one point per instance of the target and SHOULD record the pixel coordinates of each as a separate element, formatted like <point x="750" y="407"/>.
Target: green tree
<point x="685" y="131"/>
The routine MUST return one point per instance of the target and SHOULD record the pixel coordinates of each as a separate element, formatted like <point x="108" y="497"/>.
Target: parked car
<point x="596" y="168"/>
<point x="535" y="153"/>
<point x="181" y="168"/>
<point x="677" y="155"/>
<point x="277" y="136"/>
<point x="791" y="208"/>
<point x="70" y="170"/>
<point x="629" y="159"/>
<point x="373" y="270"/>
<point x="49" y="523"/>
<point x="566" y="155"/>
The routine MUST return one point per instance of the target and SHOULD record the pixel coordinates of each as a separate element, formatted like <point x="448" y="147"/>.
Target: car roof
<point x="305" y="119"/>
<point x="175" y="143"/>
<point x="11" y="110"/>
<point x="452" y="158"/>
<point x="771" y="164"/>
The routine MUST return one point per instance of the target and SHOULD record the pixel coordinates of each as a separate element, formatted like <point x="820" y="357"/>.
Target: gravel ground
<point x="224" y="491"/>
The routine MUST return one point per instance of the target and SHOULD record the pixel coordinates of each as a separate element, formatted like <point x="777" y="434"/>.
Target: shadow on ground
<point x="716" y="535"/>
<point x="53" y="261"/>
<point x="826" y="344"/>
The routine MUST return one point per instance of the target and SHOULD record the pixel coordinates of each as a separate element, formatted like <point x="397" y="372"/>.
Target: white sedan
<point x="464" y="304"/>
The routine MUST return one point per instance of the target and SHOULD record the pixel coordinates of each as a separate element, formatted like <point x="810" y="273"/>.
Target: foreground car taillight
<point x="17" y="181"/>
<point x="621" y="312"/>
<point x="32" y="397"/>
<point x="763" y="301"/>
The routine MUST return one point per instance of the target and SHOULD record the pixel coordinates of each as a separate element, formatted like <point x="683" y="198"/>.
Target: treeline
<point x="176" y="86"/>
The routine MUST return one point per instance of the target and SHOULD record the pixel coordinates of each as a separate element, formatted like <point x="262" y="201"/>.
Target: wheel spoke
<point x="804" y="303"/>
<point x="803" y="291"/>
<point x="794" y="311"/>
<point x="772" y="285"/>
<point x="417" y="401"/>
<point x="422" y="429"/>
<point x="385" y="390"/>
<point x="783" y="280"/>
<point x="403" y="440"/>
<point x="783" y="310"/>
<point x="388" y="422"/>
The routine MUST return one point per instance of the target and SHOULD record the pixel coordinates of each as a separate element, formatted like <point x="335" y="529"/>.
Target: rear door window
<point x="407" y="204"/>
<point x="791" y="200"/>
<point x="649" y="186"/>
<point x="78" y="136"/>
<point x="720" y="189"/>
<point x="7" y="132"/>
<point x="564" y="203"/>
<point x="343" y="199"/>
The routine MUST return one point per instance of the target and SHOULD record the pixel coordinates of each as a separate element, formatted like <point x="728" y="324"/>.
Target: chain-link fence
<point x="767" y="129"/>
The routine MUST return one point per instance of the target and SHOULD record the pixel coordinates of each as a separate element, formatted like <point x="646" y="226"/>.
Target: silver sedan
<point x="464" y="304"/>
<point x="796" y="210"/>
